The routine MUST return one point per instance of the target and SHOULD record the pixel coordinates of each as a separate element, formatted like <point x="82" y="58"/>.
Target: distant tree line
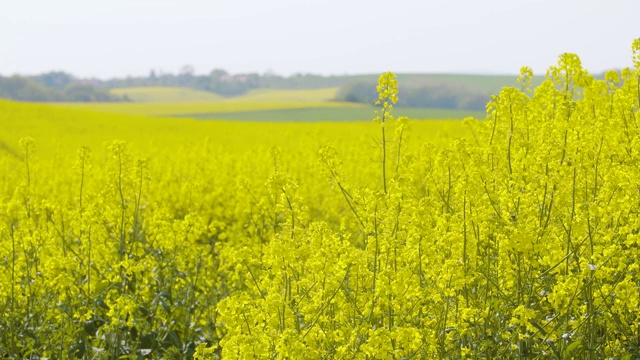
<point x="440" y="95"/>
<point x="53" y="87"/>
<point x="223" y="83"/>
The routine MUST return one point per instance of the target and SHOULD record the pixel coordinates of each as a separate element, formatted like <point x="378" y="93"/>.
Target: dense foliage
<point x="53" y="87"/>
<point x="425" y="93"/>
<point x="519" y="239"/>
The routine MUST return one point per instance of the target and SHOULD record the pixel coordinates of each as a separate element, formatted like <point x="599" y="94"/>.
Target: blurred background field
<point x="160" y="94"/>
<point x="68" y="127"/>
<point x="287" y="105"/>
<point x="254" y="97"/>
<point x="182" y="108"/>
<point x="346" y="113"/>
<point x="165" y="94"/>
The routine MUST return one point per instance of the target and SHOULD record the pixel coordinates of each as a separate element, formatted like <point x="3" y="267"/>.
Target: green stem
<point x="399" y="148"/>
<point x="13" y="295"/>
<point x="384" y="156"/>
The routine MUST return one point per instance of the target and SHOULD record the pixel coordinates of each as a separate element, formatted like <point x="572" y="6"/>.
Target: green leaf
<point x="576" y="345"/>
<point x="102" y="286"/>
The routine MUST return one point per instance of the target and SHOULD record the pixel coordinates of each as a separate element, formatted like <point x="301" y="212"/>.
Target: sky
<point x="117" y="38"/>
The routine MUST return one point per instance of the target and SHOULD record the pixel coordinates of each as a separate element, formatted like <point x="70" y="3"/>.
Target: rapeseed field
<point x="514" y="236"/>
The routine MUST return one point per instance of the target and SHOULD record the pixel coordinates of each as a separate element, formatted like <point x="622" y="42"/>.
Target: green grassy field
<point x="166" y="94"/>
<point x="303" y="95"/>
<point x="333" y="114"/>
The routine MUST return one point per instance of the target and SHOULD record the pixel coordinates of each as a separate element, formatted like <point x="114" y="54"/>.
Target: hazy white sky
<point x="118" y="38"/>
